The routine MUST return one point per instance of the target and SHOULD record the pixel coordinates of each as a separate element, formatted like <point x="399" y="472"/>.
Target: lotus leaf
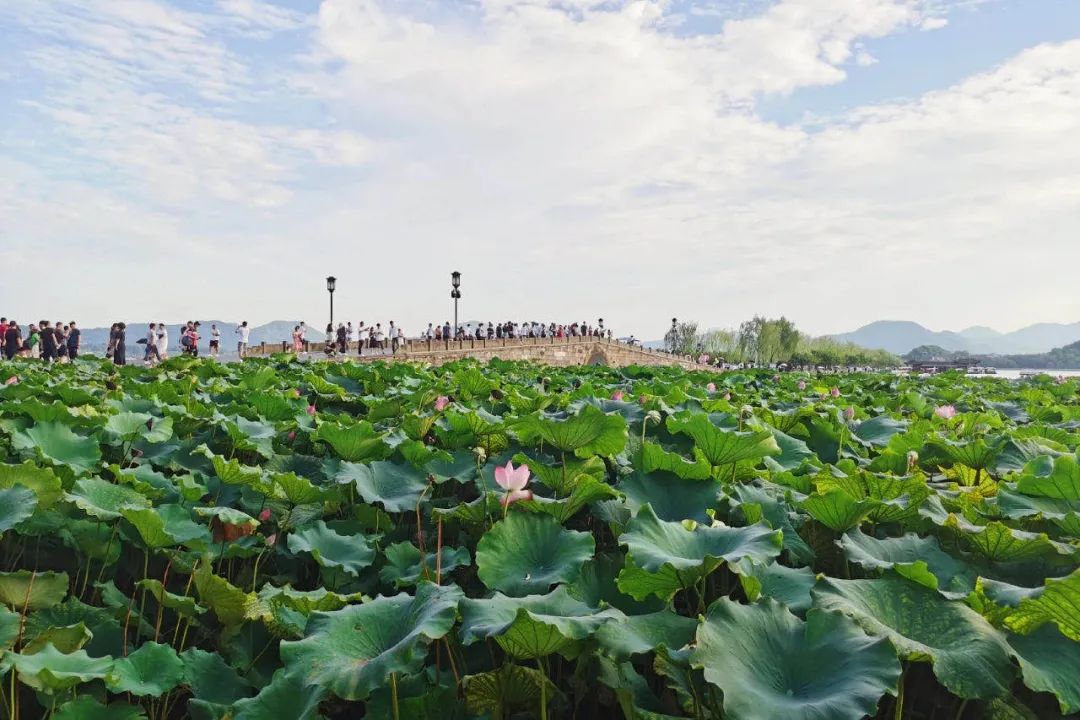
<point x="526" y="553"/>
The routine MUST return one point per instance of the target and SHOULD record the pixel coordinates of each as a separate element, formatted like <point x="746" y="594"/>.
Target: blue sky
<point x="837" y="161"/>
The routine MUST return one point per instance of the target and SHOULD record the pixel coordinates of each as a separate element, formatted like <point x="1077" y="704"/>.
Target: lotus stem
<point x="543" y="688"/>
<point x="142" y="601"/>
<point x="438" y="555"/>
<point x="961" y="709"/>
<point x="393" y="696"/>
<point x="898" y="710"/>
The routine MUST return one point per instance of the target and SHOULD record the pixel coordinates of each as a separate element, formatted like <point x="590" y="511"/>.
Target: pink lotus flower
<point x="945" y="411"/>
<point x="271" y="539"/>
<point x="711" y="387"/>
<point x="835" y="392"/>
<point x="292" y="435"/>
<point x="311" y="410"/>
<point x="13" y="380"/>
<point x="702" y="359"/>
<point x="727" y="396"/>
<point x="441" y="402"/>
<point x="802" y="384"/>
<point x="294" y="393"/>
<point x="513" y="481"/>
<point x="641" y="400"/>
<point x="849" y="413"/>
<point x="264" y="515"/>
<point x="617" y="396"/>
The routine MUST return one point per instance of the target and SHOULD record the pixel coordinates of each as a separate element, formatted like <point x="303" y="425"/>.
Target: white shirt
<point x="215" y="334"/>
<point x="244" y="332"/>
<point x="162" y="339"/>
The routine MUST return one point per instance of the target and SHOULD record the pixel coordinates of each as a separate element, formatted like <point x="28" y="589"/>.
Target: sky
<point x="835" y="161"/>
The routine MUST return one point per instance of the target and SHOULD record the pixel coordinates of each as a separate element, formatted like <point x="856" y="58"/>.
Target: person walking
<point x="361" y="336"/>
<point x="12" y="339"/>
<point x="303" y="336"/>
<point x="342" y="338"/>
<point x="74" y="341"/>
<point x="150" y="356"/>
<point x="162" y="341"/>
<point x="297" y="340"/>
<point x="392" y="332"/>
<point x="48" y="342"/>
<point x="215" y="340"/>
<point x="120" y="348"/>
<point x="244" y="335"/>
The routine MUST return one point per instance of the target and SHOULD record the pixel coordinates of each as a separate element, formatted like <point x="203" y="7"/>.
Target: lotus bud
<point x="271" y="539"/>
<point x="912" y="460"/>
<point x="264" y="515"/>
<point x="727" y="396"/>
<point x="835" y="392"/>
<point x="746" y="412"/>
<point x="311" y="410"/>
<point x="441" y="402"/>
<point x="711" y="387"/>
<point x="480" y="453"/>
<point x="652" y="416"/>
<point x="13" y="380"/>
<point x="291" y="435"/>
<point x="802" y="384"/>
<point x="849" y="413"/>
<point x="617" y="396"/>
<point x="294" y="393"/>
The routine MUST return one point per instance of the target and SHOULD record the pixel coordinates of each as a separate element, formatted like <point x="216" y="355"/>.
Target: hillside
<point x="900" y="336"/>
<point x="1062" y="358"/>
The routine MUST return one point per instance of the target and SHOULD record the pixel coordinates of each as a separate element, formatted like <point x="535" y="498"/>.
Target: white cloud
<point x="603" y="162"/>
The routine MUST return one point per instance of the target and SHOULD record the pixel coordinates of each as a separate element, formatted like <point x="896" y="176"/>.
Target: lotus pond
<point x="283" y="540"/>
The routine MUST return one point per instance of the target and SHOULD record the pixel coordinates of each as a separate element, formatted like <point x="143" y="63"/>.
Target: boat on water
<point x="980" y="370"/>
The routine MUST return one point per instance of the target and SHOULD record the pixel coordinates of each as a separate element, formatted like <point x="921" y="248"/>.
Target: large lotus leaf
<point x="585" y="491"/>
<point x="1063" y="483"/>
<point x="352" y="651"/>
<point x="251" y="435"/>
<point x="970" y="658"/>
<point x="16" y="504"/>
<point x="561" y="477"/>
<point x="351" y="553"/>
<point x="1059" y="602"/>
<point x="65" y="638"/>
<point x="654" y="457"/>
<point x="498" y="692"/>
<point x="406" y="565"/>
<point x="85" y="707"/>
<point x="590" y="432"/>
<point x="916" y="558"/>
<point x="836" y="509"/>
<point x="758" y="504"/>
<point x="103" y="499"/>
<point x="228" y="602"/>
<point x="60" y="445"/>
<point x="182" y="604"/>
<point x="131" y="425"/>
<point x="671" y="497"/>
<point x="356" y="443"/>
<point x="723" y="447"/>
<point x="272" y="407"/>
<point x="526" y="553"/>
<point x="287" y="696"/>
<point x="791" y="586"/>
<point x="1050" y="662"/>
<point x="636" y="634"/>
<point x="50" y="670"/>
<point x="10" y="623"/>
<point x="42" y="480"/>
<point x="975" y="453"/>
<point x="397" y="488"/>
<point x="151" y="670"/>
<point x="897" y="499"/>
<point x="596" y="586"/>
<point x="531" y="626"/>
<point x="167" y="526"/>
<point x="793" y="453"/>
<point x="294" y="489"/>
<point x="33" y="590"/>
<point x="211" y="679"/>
<point x="227" y="516"/>
<point x="667" y="556"/>
<point x="233" y="472"/>
<point x="878" y="431"/>
<point x="1000" y="543"/>
<point x="771" y="664"/>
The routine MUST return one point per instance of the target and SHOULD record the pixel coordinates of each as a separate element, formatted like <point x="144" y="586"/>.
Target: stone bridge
<point x="565" y="351"/>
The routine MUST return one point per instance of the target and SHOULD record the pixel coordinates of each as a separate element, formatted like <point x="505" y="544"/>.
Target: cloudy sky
<point x="838" y="161"/>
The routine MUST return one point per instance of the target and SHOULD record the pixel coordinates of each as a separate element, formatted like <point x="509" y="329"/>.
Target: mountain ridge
<point x="901" y="336"/>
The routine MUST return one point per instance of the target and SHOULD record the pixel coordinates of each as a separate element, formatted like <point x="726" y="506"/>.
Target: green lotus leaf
<point x="33" y="590"/>
<point x="50" y="670"/>
<point x="285" y="697"/>
<point x="351" y="553"/>
<point x="791" y="586"/>
<point x="653" y="458"/>
<point x="1000" y="543"/>
<point x="211" y="679"/>
<point x="103" y="499"/>
<point x="406" y="566"/>
<point x="10" y="624"/>
<point x="638" y="634"/>
<point x="295" y="489"/>
<point x="666" y="556"/>
<point x="531" y="626"/>
<point x="251" y="435"/>
<point x="561" y="478"/>
<point x="586" y="491"/>
<point x="151" y="670"/>
<point x="85" y="707"/>
<point x="398" y="488"/>
<point x="723" y="447"/>
<point x="1059" y="603"/>
<point x="897" y="498"/>
<point x="229" y="603"/>
<point x="42" y="480"/>
<point x="1050" y="662"/>
<point x="65" y="638"/>
<point x="759" y="504"/>
<point x="273" y="407"/>
<point x="793" y="453"/>
<point x="233" y="472"/>
<point x="499" y="692"/>
<point x="526" y="553"/>
<point x="59" y="445"/>
<point x="1063" y="483"/>
<point x="916" y="558"/>
<point x="588" y="433"/>
<point x="596" y="586"/>
<point x="970" y="658"/>
<point x="352" y="651"/>
<point x="167" y="526"/>
<point x="226" y="515"/>
<point x="182" y="604"/>
<point x="16" y="504"/>
<point x="356" y="443"/>
<point x="836" y="509"/>
<point x="670" y="497"/>
<point x="130" y="425"/>
<point x="878" y="431"/>
<point x="769" y="663"/>
<point x="976" y="454"/>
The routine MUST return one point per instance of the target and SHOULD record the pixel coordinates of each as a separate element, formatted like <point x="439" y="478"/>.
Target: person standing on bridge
<point x="297" y="340"/>
<point x="244" y="333"/>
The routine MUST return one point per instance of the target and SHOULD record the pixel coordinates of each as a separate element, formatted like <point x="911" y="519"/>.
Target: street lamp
<point x="455" y="281"/>
<point x="331" y="283"/>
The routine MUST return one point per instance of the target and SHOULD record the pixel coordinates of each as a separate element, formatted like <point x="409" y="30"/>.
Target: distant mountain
<point x="901" y="336"/>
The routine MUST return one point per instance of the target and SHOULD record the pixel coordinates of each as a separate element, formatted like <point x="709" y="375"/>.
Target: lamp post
<point x="331" y="283"/>
<point x="455" y="293"/>
<point x="674" y="332"/>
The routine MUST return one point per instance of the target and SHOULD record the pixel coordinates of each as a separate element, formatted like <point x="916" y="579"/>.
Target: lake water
<point x="1011" y="374"/>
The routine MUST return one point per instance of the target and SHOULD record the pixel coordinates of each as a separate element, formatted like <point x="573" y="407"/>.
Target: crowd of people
<point x="50" y="341"/>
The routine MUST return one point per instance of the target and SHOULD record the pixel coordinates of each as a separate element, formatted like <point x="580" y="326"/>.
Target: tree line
<point x="765" y="341"/>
